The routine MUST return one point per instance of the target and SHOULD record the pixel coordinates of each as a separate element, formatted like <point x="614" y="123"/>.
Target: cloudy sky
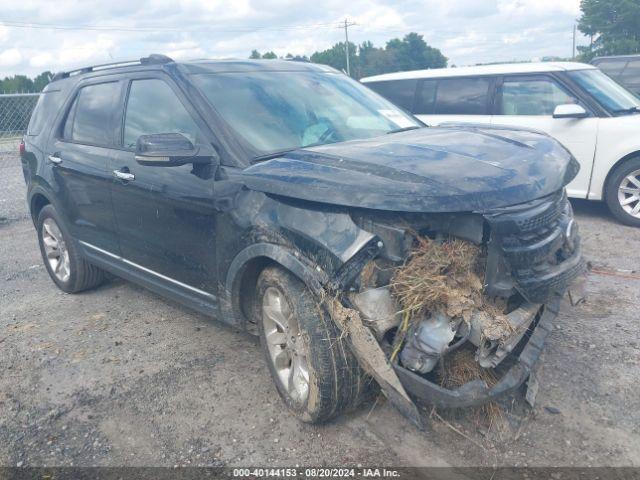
<point x="52" y="35"/>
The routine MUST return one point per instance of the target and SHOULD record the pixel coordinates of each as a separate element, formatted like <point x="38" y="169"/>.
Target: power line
<point x="157" y="28"/>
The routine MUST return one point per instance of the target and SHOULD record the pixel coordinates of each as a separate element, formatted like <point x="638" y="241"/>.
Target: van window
<point x="462" y="96"/>
<point x="631" y="74"/>
<point x="400" y="92"/>
<point x="425" y="101"/>
<point x="612" y="67"/>
<point x="168" y="113"/>
<point x="532" y="97"/>
<point x="94" y="112"/>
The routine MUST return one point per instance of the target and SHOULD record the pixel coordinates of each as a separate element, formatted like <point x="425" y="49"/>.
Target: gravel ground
<point x="119" y="376"/>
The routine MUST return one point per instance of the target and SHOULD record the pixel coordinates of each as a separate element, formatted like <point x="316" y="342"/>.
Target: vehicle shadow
<point x="592" y="209"/>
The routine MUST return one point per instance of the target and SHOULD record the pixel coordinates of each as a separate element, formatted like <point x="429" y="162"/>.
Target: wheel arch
<point x="243" y="273"/>
<point x="627" y="157"/>
<point x="37" y="202"/>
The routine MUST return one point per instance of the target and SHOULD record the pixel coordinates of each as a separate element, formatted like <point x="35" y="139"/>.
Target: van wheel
<point x="622" y="192"/>
<point x="66" y="267"/>
<point x="313" y="368"/>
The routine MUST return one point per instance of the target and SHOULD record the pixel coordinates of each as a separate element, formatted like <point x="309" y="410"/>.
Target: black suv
<point x="280" y="197"/>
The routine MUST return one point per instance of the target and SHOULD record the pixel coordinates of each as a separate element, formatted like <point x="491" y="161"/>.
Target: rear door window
<point x="531" y="96"/>
<point x="462" y="96"/>
<point x="400" y="92"/>
<point x="90" y="119"/>
<point x="426" y="98"/>
<point x="153" y="107"/>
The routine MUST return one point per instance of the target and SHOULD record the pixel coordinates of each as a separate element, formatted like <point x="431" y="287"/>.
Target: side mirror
<point x="167" y="150"/>
<point x="569" y="110"/>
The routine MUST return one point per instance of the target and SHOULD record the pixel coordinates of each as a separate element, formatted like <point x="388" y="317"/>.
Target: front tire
<point x="315" y="373"/>
<point x="61" y="257"/>
<point x="622" y="192"/>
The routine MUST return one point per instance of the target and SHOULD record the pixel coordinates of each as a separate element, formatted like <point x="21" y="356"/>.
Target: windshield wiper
<point x="404" y="129"/>
<point x="634" y="109"/>
<point x="276" y="154"/>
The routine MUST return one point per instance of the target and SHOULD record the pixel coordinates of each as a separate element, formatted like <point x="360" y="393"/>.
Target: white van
<point x="590" y="114"/>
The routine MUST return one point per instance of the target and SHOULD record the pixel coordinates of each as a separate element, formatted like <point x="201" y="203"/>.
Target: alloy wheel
<point x="287" y="352"/>
<point x="55" y="250"/>
<point x="629" y="194"/>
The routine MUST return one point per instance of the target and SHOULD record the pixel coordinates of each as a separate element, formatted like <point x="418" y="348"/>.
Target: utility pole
<point x="346" y="26"/>
<point x="573" y="49"/>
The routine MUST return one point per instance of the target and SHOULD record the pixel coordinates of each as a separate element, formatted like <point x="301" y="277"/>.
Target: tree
<point x="336" y="57"/>
<point x="410" y="53"/>
<point x="413" y="53"/>
<point x="255" y="54"/>
<point x="22" y="83"/>
<point x="613" y="25"/>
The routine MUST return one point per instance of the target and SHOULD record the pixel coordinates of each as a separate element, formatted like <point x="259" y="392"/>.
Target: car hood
<point x="448" y="169"/>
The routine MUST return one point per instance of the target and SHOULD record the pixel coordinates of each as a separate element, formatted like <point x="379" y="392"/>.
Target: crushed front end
<point x="500" y="309"/>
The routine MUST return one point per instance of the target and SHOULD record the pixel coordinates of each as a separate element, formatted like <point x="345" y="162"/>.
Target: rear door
<point x="529" y="101"/>
<point x="79" y="154"/>
<point x="165" y="215"/>
<point x="463" y="99"/>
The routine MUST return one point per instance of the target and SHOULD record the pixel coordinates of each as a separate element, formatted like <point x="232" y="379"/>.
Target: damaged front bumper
<point x="477" y="392"/>
<point x="532" y="253"/>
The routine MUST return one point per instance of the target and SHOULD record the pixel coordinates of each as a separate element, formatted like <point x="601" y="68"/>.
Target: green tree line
<point x="612" y="25"/>
<point x="22" y="83"/>
<point x="365" y="59"/>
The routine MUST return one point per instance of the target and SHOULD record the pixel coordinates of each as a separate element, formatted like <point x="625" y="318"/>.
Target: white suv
<point x="591" y="115"/>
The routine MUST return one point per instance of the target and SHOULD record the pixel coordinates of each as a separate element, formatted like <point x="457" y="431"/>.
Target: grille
<point x="532" y="239"/>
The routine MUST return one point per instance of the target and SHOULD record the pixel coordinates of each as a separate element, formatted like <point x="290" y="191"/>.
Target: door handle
<point x="54" y="159"/>
<point x="129" y="177"/>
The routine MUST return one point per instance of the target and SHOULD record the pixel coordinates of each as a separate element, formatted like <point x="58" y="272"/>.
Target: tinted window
<point x="400" y="92"/>
<point x="46" y="106"/>
<point x="462" y="96"/>
<point x="153" y="107"/>
<point x="68" y="123"/>
<point x="612" y="67"/>
<point x="94" y="114"/>
<point x="532" y="97"/>
<point x="631" y="74"/>
<point x="426" y="97"/>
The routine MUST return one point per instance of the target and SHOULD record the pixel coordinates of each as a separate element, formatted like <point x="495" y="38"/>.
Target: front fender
<point x="313" y="277"/>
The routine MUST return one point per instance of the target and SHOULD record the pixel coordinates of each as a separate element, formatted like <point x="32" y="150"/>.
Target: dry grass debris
<point x="447" y="276"/>
<point x="460" y="368"/>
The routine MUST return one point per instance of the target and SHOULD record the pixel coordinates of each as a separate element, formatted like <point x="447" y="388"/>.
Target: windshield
<point x="607" y="92"/>
<point x="277" y="111"/>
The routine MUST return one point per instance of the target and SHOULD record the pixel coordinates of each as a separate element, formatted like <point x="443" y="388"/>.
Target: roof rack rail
<point x="153" y="59"/>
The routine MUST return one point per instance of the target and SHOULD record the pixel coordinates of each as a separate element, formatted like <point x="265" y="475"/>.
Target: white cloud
<point x="467" y="31"/>
<point x="10" y="57"/>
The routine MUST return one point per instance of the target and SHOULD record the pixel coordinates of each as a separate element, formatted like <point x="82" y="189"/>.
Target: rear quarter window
<point x="399" y="92"/>
<point x="47" y="105"/>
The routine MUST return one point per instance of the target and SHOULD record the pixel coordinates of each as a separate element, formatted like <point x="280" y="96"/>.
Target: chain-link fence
<point x="15" y="112"/>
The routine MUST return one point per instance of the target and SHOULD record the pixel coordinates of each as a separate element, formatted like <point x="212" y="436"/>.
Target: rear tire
<point x="334" y="380"/>
<point x="61" y="256"/>
<point x="622" y="192"/>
